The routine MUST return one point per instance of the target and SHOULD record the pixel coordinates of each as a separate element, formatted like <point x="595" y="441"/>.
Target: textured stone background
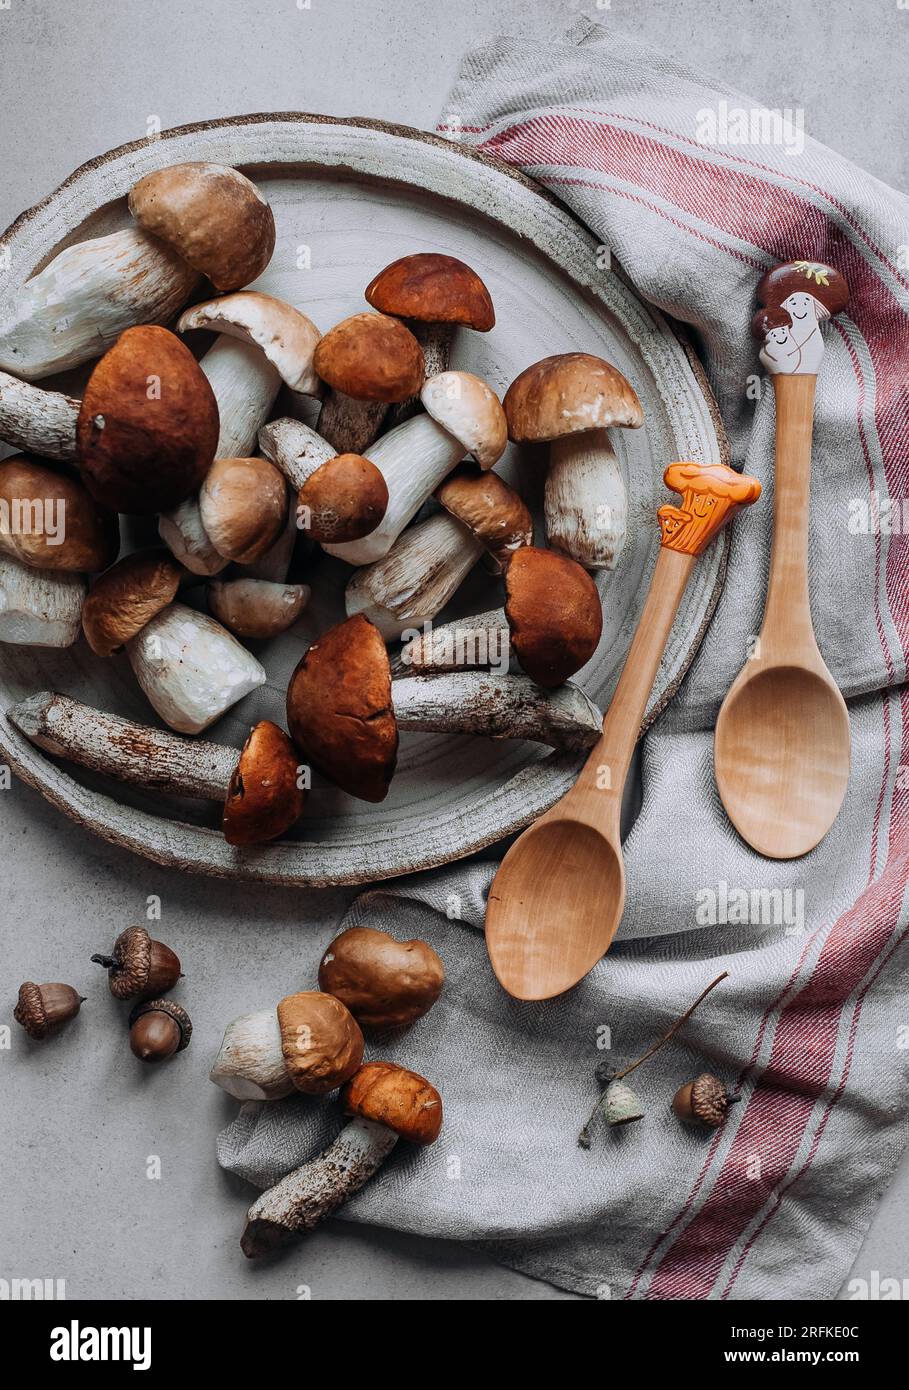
<point x="80" y="76"/>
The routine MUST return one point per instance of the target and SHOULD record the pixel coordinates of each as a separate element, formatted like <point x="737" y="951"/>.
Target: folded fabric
<point x="774" y="1204"/>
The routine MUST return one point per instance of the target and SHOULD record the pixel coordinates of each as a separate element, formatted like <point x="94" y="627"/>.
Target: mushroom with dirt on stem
<point x="310" y="1043"/>
<point x="571" y="401"/>
<point x="39" y="608"/>
<point x="37" y="421"/>
<point x="480" y="515"/>
<point x="369" y="362"/>
<point x="387" y="1103"/>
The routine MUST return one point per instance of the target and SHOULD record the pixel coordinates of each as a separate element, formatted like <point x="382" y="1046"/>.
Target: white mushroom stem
<point x="191" y="669"/>
<point x="350" y="426"/>
<point x="245" y="385"/>
<point x="294" y="448"/>
<point x="435" y="339"/>
<point x="413" y="459"/>
<point x="40" y="422"/>
<point x="78" y="305"/>
<point x="465" y="644"/>
<point x="309" y="1194"/>
<point x="421" y="571"/>
<point x="493" y="706"/>
<point x="39" y="608"/>
<point x="187" y="539"/>
<point x="250" y="1062"/>
<point x="586" y="502"/>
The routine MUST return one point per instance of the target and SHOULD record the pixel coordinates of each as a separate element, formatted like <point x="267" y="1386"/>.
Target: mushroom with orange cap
<point x="340" y="497"/>
<point x="50" y="521"/>
<point x="310" y="1043"/>
<point x="124" y="599"/>
<point x="265" y="796"/>
<point x="370" y="361"/>
<point x="571" y="401"/>
<point x="709" y="493"/>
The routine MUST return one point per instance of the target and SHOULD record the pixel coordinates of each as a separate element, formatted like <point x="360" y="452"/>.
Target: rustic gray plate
<point x="348" y="197"/>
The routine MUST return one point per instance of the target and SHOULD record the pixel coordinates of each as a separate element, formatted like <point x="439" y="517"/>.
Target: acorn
<point x="44" y="1009"/>
<point x="703" y="1101"/>
<point x="157" y="1029"/>
<point x="139" y="967"/>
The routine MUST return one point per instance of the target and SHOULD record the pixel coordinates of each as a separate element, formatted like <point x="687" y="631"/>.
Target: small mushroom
<point x="316" y="1046"/>
<point x="388" y="1103"/>
<point x="49" y="521"/>
<point x="339" y="497"/>
<point x="572" y="400"/>
<point x="263" y="342"/>
<point x="243" y="507"/>
<point x="40" y="422"/>
<point x="148" y="424"/>
<point x="256" y="608"/>
<point x="463" y="416"/>
<point x="125" y="598"/>
<point x="39" y="608"/>
<point x="427" y="563"/>
<point x="186" y="538"/>
<point x="191" y="669"/>
<point x="386" y="983"/>
<point x="264" y="797"/>
<point x="369" y="361"/>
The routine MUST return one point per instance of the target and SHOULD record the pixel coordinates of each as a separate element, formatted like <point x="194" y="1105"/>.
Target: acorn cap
<point x="346" y="498"/>
<point x="384" y="982"/>
<point x="213" y="215"/>
<point x="339" y="709"/>
<point x="142" y="450"/>
<point x="287" y="338"/>
<point x="263" y="799"/>
<point x="569" y="393"/>
<point x="822" y="282"/>
<point x="402" y="1100"/>
<point x="371" y="357"/>
<point x="433" y="288"/>
<point x="320" y="1040"/>
<point x="42" y="1009"/>
<point x="125" y="598"/>
<point x="87" y="535"/>
<point x="620" y="1105"/>
<point x="488" y="507"/>
<point x="470" y="411"/>
<point x="174" y="1011"/>
<point x="243" y="506"/>
<point x="554" y="614"/>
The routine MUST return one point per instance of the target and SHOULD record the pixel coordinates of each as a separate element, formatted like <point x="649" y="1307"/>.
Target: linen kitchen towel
<point x="811" y="1027"/>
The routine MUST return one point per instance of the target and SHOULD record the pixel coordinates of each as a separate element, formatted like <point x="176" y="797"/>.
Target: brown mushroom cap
<point x="765" y="320"/>
<point x="822" y="282"/>
<point x="243" y="505"/>
<point x="568" y="394"/>
<point x="88" y="535"/>
<point x="402" y="1100"/>
<point x="384" y="982"/>
<point x="471" y="411"/>
<point x="213" y="215"/>
<point x="554" y="614"/>
<point x="371" y="357"/>
<point x="125" y="598"/>
<point x="320" y="1040"/>
<point x="433" y="288"/>
<point x="492" y="510"/>
<point x="263" y="799"/>
<point x="256" y="608"/>
<point x="286" y="337"/>
<point x="148" y="424"/>
<point x="339" y="709"/>
<point x="345" y="499"/>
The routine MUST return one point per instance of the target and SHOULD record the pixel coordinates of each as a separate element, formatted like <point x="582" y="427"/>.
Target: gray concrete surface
<point x="81" y="1120"/>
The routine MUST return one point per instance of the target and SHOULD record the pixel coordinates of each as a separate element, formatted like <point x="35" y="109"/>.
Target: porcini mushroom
<point x="316" y="1046"/>
<point x="572" y="400"/>
<point x="49" y="521"/>
<point x="264" y="797"/>
<point x="552" y="620"/>
<point x="148" y="424"/>
<point x="388" y="1103"/>
<point x="243" y="507"/>
<point x="257" y="608"/>
<point x="339" y="497"/>
<point x="369" y="361"/>
<point x="386" y="983"/>
<point x="427" y="563"/>
<point x="186" y="538"/>
<point x="39" y="608"/>
<point x="40" y="422"/>
<point x="463" y="416"/>
<point x="124" y="599"/>
<point x="263" y="343"/>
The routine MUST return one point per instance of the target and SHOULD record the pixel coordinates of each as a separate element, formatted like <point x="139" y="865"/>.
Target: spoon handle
<point x="787" y="622"/>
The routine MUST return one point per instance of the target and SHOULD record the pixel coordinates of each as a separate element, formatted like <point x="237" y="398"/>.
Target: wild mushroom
<point x="369" y="361"/>
<point x="186" y="538"/>
<point x="388" y="1103"/>
<point x="263" y="342"/>
<point x="243" y="507"/>
<point x="257" y="608"/>
<point x="190" y="668"/>
<point x="40" y="422"/>
<point x="124" y="599"/>
<point x="148" y="424"/>
<point x="264" y="797"/>
<point x="49" y="521"/>
<point x="343" y="712"/>
<point x="572" y="400"/>
<point x="386" y="983"/>
<point x="39" y="608"/>
<point x="425" y="566"/>
<point x="552" y="619"/>
<point x="463" y="416"/>
<point x="435" y="295"/>
<point x="310" y="1043"/>
<point x="339" y="497"/>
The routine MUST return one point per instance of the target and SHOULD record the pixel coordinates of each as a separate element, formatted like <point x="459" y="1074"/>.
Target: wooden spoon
<point x="558" y="896"/>
<point x="782" y="736"/>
